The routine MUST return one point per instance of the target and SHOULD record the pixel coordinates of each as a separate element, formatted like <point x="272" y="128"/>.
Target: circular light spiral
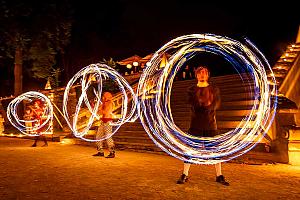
<point x="98" y="72"/>
<point x="19" y="123"/>
<point x="154" y="92"/>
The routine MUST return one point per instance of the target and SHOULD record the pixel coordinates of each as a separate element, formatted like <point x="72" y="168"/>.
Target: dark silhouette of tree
<point x="34" y="34"/>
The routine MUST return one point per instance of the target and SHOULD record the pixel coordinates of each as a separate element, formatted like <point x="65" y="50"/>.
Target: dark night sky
<point x="120" y="29"/>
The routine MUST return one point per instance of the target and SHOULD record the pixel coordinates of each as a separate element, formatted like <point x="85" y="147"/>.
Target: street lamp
<point x="129" y="66"/>
<point x="135" y="64"/>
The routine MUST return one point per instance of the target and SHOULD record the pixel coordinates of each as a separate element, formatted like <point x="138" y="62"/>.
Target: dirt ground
<point x="71" y="172"/>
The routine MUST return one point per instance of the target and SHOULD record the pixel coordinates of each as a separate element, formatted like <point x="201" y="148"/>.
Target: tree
<point x="109" y="84"/>
<point x="111" y="63"/>
<point x="35" y="34"/>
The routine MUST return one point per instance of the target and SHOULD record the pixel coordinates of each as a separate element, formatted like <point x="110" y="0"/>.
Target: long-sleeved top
<point x="204" y="102"/>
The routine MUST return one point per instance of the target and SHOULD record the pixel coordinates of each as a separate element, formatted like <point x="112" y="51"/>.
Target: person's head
<point x="202" y="74"/>
<point x="107" y="96"/>
<point x="37" y="103"/>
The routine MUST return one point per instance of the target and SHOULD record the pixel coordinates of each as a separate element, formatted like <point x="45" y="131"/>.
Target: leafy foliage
<point x="42" y="29"/>
<point x="110" y="62"/>
<point x="110" y="85"/>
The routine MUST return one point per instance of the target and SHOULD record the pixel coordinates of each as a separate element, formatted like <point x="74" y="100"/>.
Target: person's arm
<point x="217" y="99"/>
<point x="100" y="110"/>
<point x="190" y="95"/>
<point x="44" y="116"/>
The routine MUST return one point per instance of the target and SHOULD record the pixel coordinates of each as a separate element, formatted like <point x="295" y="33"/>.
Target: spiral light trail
<point x="154" y="93"/>
<point x="19" y="123"/>
<point x="98" y="72"/>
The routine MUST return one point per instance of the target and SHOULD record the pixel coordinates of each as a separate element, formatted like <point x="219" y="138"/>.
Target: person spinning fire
<point x="38" y="110"/>
<point x="204" y="100"/>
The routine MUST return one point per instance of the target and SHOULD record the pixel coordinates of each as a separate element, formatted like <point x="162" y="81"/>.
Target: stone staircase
<point x="237" y="102"/>
<point x="287" y="72"/>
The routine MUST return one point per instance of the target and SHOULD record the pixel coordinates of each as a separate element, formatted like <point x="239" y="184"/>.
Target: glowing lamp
<point x="129" y="66"/>
<point x="135" y="64"/>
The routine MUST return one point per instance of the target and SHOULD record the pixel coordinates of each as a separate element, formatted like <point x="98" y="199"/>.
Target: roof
<point x="130" y="60"/>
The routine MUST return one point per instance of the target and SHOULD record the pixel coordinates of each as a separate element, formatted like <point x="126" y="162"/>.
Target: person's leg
<point x="28" y="127"/>
<point x="184" y="176"/>
<point x="218" y="169"/>
<point x="186" y="168"/>
<point x="36" y="138"/>
<point x="109" y="141"/>
<point x="45" y="140"/>
<point x="99" y="144"/>
<point x="220" y="178"/>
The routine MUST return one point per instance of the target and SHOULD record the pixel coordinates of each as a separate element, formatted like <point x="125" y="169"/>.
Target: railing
<point x="290" y="87"/>
<point x="287" y="73"/>
<point x="117" y="102"/>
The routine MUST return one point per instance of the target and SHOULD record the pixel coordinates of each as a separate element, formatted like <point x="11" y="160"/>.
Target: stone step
<point x="222" y="122"/>
<point x="220" y="85"/>
<point x="294" y="152"/>
<point x="225" y="78"/>
<point x="133" y="133"/>
<point x="231" y="97"/>
<point x="183" y="113"/>
<point x="229" y="105"/>
<point x="294" y="135"/>
<point x="178" y="92"/>
<point x="134" y="139"/>
<point x="255" y="157"/>
<point x="240" y="103"/>
<point x="143" y="134"/>
<point x="128" y="127"/>
<point x="137" y="146"/>
<point x="219" y="118"/>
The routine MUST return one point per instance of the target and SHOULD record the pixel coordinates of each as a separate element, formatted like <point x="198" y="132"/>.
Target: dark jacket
<point x="204" y="101"/>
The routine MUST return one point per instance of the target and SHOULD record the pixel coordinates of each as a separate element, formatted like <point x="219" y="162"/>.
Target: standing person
<point x="187" y="73"/>
<point x="28" y="116"/>
<point x="105" y="128"/>
<point x="204" y="99"/>
<point x="38" y="110"/>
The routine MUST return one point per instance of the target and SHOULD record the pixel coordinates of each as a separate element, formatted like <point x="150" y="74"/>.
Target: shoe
<point x="99" y="154"/>
<point x="45" y="145"/>
<point x="183" y="178"/>
<point x="221" y="179"/>
<point x="111" y="155"/>
<point x="34" y="145"/>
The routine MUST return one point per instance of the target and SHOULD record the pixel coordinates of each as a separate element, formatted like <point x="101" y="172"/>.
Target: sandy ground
<point x="71" y="172"/>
